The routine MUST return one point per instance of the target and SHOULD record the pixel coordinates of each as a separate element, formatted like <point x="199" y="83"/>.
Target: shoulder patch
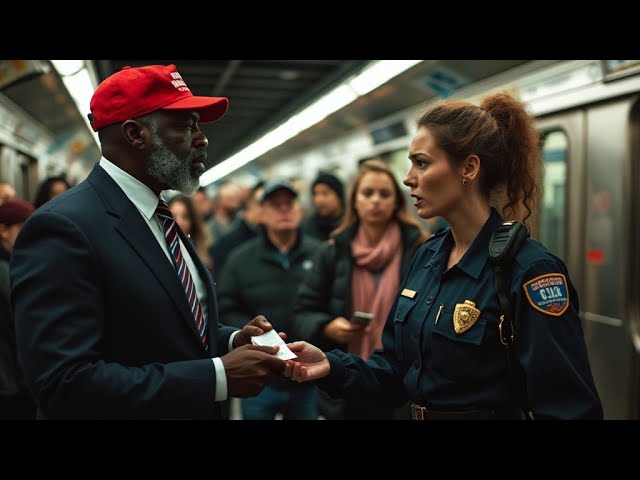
<point x="548" y="293"/>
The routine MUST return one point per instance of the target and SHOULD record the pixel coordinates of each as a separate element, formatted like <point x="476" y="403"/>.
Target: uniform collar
<point x="475" y="257"/>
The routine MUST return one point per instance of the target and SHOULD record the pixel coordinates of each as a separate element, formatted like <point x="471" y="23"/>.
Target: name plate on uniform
<point x="408" y="293"/>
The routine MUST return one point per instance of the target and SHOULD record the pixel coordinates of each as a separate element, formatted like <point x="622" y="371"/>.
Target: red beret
<point x="133" y="92"/>
<point x="13" y="212"/>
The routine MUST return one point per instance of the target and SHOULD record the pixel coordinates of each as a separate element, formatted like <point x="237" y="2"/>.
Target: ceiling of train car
<point x="47" y="100"/>
<point x="426" y="81"/>
<point x="262" y="93"/>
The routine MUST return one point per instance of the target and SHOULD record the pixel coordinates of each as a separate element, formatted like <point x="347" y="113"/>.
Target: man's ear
<point x="136" y="134"/>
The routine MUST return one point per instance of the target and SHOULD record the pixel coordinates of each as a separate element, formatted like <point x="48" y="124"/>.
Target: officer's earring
<point x="465" y="181"/>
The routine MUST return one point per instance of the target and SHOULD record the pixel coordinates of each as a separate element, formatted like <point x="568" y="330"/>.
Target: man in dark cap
<point x="328" y="203"/>
<point x="15" y="399"/>
<point x="263" y="275"/>
<point x="116" y="315"/>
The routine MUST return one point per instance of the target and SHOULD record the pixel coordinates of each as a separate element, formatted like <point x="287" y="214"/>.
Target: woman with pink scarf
<point x="360" y="270"/>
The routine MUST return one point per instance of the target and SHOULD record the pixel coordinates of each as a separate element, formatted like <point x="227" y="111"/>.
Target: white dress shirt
<point x="146" y="202"/>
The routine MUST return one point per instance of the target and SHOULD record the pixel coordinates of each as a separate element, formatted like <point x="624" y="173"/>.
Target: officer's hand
<point x="257" y="326"/>
<point x="311" y="363"/>
<point x="341" y="330"/>
<point x="249" y="368"/>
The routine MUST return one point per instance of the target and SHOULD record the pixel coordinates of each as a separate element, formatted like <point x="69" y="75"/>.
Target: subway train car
<point x="588" y="113"/>
<point x="42" y="133"/>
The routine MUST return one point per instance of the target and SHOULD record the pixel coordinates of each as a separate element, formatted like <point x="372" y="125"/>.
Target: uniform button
<point x="429" y="300"/>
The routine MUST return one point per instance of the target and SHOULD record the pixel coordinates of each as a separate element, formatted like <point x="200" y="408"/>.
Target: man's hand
<point x="250" y="368"/>
<point x="257" y="326"/>
<point x="311" y="363"/>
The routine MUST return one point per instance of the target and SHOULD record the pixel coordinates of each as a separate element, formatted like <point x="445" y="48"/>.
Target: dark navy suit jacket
<point x="102" y="321"/>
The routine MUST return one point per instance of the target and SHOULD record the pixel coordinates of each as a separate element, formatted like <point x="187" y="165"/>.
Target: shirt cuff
<point x="233" y="335"/>
<point x="221" y="380"/>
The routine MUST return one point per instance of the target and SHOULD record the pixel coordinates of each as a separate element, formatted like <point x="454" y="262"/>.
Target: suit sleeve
<point x="551" y="346"/>
<point x="59" y="309"/>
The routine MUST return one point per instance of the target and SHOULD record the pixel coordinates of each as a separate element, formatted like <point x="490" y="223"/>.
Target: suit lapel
<point x="135" y="231"/>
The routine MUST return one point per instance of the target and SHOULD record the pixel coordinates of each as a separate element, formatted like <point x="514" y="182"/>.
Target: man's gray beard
<point x="166" y="168"/>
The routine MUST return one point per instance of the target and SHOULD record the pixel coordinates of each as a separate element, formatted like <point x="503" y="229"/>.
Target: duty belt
<point x="418" y="412"/>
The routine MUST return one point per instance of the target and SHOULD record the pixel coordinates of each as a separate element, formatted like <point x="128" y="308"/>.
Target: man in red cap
<point x="15" y="399"/>
<point x="116" y="315"/>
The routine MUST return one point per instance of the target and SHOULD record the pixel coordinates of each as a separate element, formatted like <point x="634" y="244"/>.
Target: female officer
<point x="441" y="345"/>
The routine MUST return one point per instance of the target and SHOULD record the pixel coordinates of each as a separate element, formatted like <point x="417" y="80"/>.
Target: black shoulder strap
<point x="503" y="246"/>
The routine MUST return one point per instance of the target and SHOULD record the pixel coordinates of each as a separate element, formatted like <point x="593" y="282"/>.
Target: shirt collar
<point x="142" y="196"/>
<point x="475" y="257"/>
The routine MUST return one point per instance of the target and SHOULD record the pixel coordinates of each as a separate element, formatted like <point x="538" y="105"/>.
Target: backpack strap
<point x="503" y="246"/>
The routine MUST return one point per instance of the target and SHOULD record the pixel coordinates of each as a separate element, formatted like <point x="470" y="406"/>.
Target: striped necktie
<point x="170" y="228"/>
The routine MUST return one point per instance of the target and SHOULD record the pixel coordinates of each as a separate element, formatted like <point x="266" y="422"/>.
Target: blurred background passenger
<point x="7" y="192"/>
<point x="191" y="224"/>
<point x="228" y="201"/>
<point x="246" y="227"/>
<point x="360" y="269"/>
<point x="202" y="204"/>
<point x="262" y="276"/>
<point x="327" y="193"/>
<point x="49" y="189"/>
<point x="15" y="399"/>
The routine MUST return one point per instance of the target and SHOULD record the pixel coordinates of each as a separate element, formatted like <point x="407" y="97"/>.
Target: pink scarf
<point x="365" y="296"/>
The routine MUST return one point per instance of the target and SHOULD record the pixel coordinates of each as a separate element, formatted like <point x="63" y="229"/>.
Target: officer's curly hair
<point x="503" y="135"/>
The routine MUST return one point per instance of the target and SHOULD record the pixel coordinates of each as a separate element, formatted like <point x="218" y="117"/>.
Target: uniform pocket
<point x="458" y="356"/>
<point x="403" y="307"/>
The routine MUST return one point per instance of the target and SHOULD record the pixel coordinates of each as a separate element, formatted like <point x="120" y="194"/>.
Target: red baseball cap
<point x="133" y="92"/>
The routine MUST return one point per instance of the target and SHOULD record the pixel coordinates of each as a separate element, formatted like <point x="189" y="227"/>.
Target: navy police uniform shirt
<point x="441" y="343"/>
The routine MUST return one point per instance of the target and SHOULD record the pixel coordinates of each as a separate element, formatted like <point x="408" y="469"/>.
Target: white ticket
<point x="270" y="339"/>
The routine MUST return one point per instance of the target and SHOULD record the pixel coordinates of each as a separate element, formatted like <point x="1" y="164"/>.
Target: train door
<point x="632" y="199"/>
<point x="608" y="255"/>
<point x="597" y="147"/>
<point x="20" y="170"/>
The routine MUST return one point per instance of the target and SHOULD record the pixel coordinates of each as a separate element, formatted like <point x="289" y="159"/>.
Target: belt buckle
<point x="418" y="412"/>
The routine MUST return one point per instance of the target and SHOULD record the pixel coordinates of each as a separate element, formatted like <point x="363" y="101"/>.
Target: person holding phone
<point x="359" y="270"/>
<point x="362" y="318"/>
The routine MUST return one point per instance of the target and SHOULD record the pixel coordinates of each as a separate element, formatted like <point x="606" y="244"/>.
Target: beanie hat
<point x="332" y="182"/>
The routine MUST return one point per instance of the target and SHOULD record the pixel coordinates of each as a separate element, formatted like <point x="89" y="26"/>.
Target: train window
<point x="553" y="212"/>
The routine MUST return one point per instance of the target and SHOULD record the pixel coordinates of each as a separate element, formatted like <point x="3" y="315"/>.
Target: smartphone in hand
<point x="362" y="318"/>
